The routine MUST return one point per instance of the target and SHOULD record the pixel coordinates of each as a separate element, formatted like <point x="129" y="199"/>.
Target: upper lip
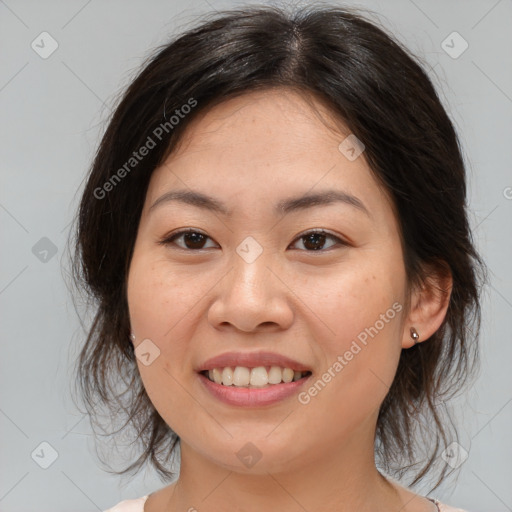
<point x="251" y="360"/>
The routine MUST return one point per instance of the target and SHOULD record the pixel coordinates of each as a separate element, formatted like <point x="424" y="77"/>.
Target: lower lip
<point x="252" y="397"/>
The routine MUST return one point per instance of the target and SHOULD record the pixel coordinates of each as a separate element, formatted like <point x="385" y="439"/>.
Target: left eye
<point x="194" y="240"/>
<point x="315" y="239"/>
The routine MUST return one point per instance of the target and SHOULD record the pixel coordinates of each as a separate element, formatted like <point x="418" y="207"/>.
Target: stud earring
<point x="132" y="336"/>
<point x="415" y="336"/>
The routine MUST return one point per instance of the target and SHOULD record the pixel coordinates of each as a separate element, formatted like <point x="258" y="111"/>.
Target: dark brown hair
<point x="377" y="89"/>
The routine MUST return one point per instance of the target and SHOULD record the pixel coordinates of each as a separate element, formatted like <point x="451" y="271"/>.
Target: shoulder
<point x="448" y="508"/>
<point x="133" y="505"/>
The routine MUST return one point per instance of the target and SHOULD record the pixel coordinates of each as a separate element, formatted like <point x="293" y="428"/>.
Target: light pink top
<point x="137" y="505"/>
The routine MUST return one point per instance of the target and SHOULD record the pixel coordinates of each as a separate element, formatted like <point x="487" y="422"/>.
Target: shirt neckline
<point x="433" y="500"/>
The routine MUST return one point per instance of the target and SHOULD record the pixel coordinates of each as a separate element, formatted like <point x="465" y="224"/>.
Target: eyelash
<point x="168" y="240"/>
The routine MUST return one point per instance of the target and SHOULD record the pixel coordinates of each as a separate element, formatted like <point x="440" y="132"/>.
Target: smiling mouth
<point x="258" y="377"/>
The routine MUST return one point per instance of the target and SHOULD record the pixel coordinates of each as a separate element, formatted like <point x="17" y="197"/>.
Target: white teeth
<point x="227" y="376"/>
<point x="287" y="375"/>
<point x="275" y="375"/>
<point x="217" y="376"/>
<point x="241" y="376"/>
<point x="260" y="376"/>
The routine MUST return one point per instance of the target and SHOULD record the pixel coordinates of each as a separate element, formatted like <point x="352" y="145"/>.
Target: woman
<point x="274" y="231"/>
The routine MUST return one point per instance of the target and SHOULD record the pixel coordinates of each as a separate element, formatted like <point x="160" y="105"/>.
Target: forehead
<point x="280" y="120"/>
<point x="263" y="147"/>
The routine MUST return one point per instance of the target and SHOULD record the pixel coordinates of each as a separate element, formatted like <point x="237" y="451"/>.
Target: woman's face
<point x="254" y="279"/>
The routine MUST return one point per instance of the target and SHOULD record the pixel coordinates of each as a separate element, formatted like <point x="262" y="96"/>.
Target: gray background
<point x="53" y="113"/>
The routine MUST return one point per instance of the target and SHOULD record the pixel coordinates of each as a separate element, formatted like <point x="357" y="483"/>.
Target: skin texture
<point x="251" y="152"/>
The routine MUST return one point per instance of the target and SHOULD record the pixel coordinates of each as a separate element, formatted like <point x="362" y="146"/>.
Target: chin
<point x="255" y="456"/>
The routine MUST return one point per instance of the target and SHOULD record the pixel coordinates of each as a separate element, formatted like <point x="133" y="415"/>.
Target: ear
<point x="428" y="305"/>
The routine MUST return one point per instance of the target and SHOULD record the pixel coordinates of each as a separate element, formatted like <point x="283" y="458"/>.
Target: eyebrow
<point x="283" y="207"/>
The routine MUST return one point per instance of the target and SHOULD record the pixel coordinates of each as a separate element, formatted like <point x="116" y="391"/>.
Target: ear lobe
<point x="429" y="305"/>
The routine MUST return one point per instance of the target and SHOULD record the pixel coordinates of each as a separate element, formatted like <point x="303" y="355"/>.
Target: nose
<point x="252" y="297"/>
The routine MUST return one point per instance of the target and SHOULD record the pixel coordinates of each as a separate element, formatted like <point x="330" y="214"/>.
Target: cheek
<point x="160" y="302"/>
<point x="356" y="303"/>
<point x="160" y="297"/>
<point x="361" y="310"/>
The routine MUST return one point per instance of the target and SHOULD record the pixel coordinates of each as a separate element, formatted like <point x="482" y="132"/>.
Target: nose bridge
<point x="251" y="262"/>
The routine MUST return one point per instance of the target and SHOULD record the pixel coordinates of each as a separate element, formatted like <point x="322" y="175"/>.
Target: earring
<point x="415" y="336"/>
<point x="132" y="336"/>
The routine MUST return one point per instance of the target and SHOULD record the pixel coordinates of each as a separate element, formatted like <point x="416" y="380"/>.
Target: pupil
<point x="315" y="237"/>
<point x="197" y="239"/>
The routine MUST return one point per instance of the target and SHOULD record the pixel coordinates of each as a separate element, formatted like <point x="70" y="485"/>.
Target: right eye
<point x="193" y="239"/>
